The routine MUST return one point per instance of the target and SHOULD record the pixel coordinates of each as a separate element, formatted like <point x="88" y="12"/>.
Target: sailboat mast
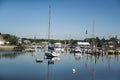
<point x="93" y="35"/>
<point x="49" y="24"/>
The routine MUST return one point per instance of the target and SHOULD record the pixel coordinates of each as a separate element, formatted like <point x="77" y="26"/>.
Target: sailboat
<point x="50" y="50"/>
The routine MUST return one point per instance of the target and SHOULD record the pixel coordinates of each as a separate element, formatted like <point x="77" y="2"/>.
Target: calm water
<point x="22" y="66"/>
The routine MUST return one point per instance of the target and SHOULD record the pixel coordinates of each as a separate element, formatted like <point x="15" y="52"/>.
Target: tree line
<point x="14" y="40"/>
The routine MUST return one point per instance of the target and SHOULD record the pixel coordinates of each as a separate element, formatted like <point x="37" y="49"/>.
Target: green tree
<point x="113" y="39"/>
<point x="6" y="36"/>
<point x="103" y="40"/>
<point x="97" y="39"/>
<point x="11" y="38"/>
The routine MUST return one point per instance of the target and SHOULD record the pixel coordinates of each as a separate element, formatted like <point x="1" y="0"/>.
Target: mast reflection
<point x="51" y="61"/>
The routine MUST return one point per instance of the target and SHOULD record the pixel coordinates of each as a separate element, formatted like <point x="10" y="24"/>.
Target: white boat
<point x="52" y="54"/>
<point x="39" y="60"/>
<point x="30" y="49"/>
<point x="58" y="47"/>
<point x="77" y="50"/>
<point x="82" y="47"/>
<point x="50" y="50"/>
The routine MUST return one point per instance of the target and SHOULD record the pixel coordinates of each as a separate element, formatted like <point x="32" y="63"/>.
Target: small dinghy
<point x="39" y="60"/>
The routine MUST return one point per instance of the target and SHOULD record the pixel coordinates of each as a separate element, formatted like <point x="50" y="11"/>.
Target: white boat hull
<point x="52" y="54"/>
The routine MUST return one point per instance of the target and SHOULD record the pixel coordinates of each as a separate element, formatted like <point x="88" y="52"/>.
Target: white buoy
<point x="73" y="70"/>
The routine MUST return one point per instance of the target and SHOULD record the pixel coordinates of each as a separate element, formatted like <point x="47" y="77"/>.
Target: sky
<point x="69" y="18"/>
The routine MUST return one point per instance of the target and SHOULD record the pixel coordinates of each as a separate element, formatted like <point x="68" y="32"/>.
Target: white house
<point x="1" y="40"/>
<point x="83" y="44"/>
<point x="1" y="43"/>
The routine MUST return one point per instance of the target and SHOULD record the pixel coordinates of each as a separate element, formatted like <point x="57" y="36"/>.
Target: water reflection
<point x="9" y="54"/>
<point x="51" y="60"/>
<point x="88" y="67"/>
<point x="77" y="56"/>
<point x="50" y="69"/>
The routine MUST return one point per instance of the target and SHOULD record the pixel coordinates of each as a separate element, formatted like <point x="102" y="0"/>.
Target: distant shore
<point x="7" y="47"/>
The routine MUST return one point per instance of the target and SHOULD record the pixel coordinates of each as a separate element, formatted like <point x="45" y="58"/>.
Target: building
<point x="2" y="41"/>
<point x="83" y="44"/>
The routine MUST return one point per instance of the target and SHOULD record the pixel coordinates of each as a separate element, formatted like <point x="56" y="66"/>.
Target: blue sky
<point x="69" y="18"/>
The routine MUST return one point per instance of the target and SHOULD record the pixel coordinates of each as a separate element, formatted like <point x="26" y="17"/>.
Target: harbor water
<point x="23" y="66"/>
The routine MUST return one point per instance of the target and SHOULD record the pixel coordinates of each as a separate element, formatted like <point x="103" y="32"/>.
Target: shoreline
<point x="7" y="47"/>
